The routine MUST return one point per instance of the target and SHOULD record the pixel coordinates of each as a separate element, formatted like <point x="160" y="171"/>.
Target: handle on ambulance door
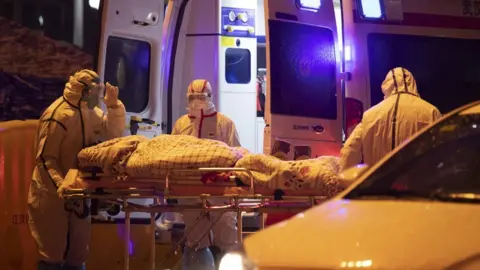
<point x="318" y="129"/>
<point x="135" y="121"/>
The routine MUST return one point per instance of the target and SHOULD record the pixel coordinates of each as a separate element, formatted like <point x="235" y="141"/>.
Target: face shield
<point x="199" y="96"/>
<point x="199" y="101"/>
<point x="98" y="89"/>
<point x="93" y="93"/>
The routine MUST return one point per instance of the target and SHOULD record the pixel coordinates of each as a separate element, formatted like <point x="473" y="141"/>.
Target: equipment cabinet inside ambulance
<point x="282" y="70"/>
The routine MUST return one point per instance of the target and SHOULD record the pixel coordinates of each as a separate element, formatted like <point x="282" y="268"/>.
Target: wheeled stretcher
<point x="118" y="189"/>
<point x="185" y="167"/>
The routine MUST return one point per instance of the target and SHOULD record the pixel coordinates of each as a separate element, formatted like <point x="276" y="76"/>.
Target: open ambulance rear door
<point x="304" y="96"/>
<point x="130" y="57"/>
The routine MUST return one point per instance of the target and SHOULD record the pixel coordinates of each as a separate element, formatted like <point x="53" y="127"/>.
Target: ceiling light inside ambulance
<point x="94" y="3"/>
<point x="371" y="9"/>
<point x="312" y="5"/>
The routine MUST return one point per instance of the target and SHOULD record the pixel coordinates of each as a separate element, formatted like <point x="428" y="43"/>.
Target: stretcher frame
<point x="124" y="188"/>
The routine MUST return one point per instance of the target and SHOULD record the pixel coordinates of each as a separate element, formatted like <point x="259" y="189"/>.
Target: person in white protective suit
<point x="71" y="123"/>
<point x="387" y="125"/>
<point x="203" y="121"/>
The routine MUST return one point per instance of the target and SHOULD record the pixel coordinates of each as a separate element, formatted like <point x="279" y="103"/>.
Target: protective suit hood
<point x="200" y="104"/>
<point x="76" y="85"/>
<point x="390" y="123"/>
<point x="399" y="80"/>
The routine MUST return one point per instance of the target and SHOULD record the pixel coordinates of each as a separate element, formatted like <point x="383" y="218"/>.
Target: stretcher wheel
<point x="113" y="210"/>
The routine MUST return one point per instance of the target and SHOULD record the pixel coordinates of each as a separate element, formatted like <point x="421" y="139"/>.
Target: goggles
<point x="198" y="96"/>
<point x="96" y="87"/>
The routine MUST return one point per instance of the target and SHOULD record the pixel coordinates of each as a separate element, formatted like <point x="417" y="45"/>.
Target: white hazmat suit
<point x="203" y="121"/>
<point x="72" y="122"/>
<point x="387" y="125"/>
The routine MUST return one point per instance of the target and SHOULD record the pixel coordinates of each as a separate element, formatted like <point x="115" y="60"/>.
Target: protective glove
<point x="71" y="181"/>
<point x="111" y="96"/>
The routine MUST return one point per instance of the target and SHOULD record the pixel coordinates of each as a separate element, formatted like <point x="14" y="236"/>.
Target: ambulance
<point x="306" y="59"/>
<point x="299" y="72"/>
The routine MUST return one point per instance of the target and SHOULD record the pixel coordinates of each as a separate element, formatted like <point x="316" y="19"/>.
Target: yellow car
<point x="418" y="208"/>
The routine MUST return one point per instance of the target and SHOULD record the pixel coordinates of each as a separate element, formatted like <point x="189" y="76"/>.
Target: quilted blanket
<point x="317" y="173"/>
<point x="154" y="157"/>
<point x="111" y="155"/>
<point x="139" y="156"/>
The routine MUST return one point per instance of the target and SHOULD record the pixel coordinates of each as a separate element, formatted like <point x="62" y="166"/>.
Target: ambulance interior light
<point x="348" y="53"/>
<point x="311" y="5"/>
<point x="95" y="4"/>
<point x="371" y="9"/>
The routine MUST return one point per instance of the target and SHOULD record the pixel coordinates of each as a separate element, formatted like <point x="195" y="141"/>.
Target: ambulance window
<point x="439" y="65"/>
<point x="261" y="56"/>
<point x="261" y="79"/>
<point x="237" y="66"/>
<point x="303" y="70"/>
<point x="127" y="65"/>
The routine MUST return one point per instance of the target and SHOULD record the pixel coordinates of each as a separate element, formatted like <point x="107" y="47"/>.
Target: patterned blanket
<point x="138" y="156"/>
<point x="316" y="173"/>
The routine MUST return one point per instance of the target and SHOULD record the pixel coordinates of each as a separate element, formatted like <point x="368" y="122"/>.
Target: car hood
<point x="377" y="234"/>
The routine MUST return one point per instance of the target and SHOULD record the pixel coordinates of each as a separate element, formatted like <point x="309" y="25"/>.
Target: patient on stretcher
<point x="138" y="156"/>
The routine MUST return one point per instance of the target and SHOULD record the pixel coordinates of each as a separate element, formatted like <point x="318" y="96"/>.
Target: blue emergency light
<point x="370" y="9"/>
<point x="312" y="5"/>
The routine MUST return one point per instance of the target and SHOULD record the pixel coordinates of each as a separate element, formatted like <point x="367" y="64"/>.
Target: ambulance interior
<point x="241" y="95"/>
<point x="370" y="51"/>
<point x="239" y="72"/>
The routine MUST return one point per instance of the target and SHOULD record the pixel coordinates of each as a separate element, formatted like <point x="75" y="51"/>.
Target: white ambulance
<point x="323" y="62"/>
